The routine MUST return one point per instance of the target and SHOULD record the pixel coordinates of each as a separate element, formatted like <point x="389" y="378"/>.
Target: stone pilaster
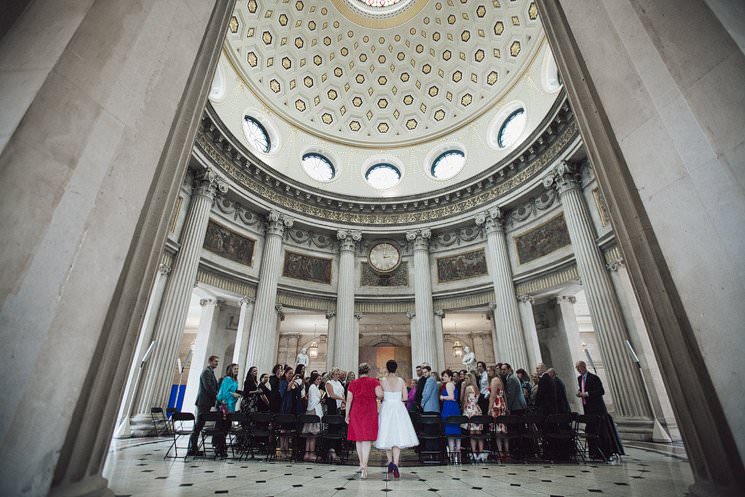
<point x="202" y="349"/>
<point x="162" y="362"/>
<point x="242" y="335"/>
<point x="532" y="345"/>
<point x="626" y="383"/>
<point x="511" y="344"/>
<point x="415" y="353"/>
<point x="439" y="337"/>
<point x="424" y="331"/>
<point x="331" y="342"/>
<point x="344" y="335"/>
<point x="262" y="345"/>
<point x="356" y="345"/>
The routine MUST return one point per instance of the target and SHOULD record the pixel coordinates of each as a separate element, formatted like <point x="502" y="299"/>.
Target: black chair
<point x="178" y="421"/>
<point x="305" y="431"/>
<point x="334" y="436"/>
<point x="451" y="422"/>
<point x="260" y="435"/>
<point x="513" y="428"/>
<point x="485" y="434"/>
<point x="285" y="425"/>
<point x="531" y="436"/>
<point x="559" y="438"/>
<point x="170" y="411"/>
<point x="160" y="422"/>
<point x="237" y="433"/>
<point x="429" y="432"/>
<point x="587" y="428"/>
<point x="216" y="427"/>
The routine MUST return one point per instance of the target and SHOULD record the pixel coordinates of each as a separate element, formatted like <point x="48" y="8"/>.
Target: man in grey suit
<point x="513" y="390"/>
<point x="206" y="398"/>
<point x="430" y="396"/>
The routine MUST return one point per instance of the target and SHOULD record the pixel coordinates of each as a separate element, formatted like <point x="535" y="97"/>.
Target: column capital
<point x="247" y="300"/>
<point x="492" y="306"/>
<point x="348" y="239"/>
<point x="492" y="220"/>
<point x="280" y="314"/>
<point x="214" y="302"/>
<point x="410" y="315"/>
<point x="563" y="177"/>
<point x="420" y="238"/>
<point x="566" y="299"/>
<point x="330" y="314"/>
<point x="208" y="183"/>
<point x="164" y="269"/>
<point x="276" y="223"/>
<point x="526" y="299"/>
<point x="440" y="313"/>
<point x="358" y="315"/>
<point x="614" y="266"/>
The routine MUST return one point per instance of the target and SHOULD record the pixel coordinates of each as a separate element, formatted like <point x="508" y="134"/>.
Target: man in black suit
<point x="420" y="382"/>
<point x="545" y="399"/>
<point x="590" y="391"/>
<point x="206" y="398"/>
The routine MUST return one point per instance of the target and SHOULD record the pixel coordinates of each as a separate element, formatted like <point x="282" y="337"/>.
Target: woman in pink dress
<point x="362" y="414"/>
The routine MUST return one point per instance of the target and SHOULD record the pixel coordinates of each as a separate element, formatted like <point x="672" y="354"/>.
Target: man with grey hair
<point x="560" y="391"/>
<point x="545" y="399"/>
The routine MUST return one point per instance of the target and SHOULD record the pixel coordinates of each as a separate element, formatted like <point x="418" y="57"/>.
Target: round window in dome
<point x="383" y="175"/>
<point x="256" y="134"/>
<point x="448" y="164"/>
<point x="512" y="128"/>
<point x="318" y="167"/>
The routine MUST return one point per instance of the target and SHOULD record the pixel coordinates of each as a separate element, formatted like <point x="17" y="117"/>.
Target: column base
<point x="639" y="429"/>
<point x="711" y="489"/>
<point x="95" y="486"/>
<point x="140" y="425"/>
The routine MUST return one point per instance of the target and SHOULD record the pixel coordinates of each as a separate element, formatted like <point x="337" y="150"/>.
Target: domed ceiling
<point x="382" y="72"/>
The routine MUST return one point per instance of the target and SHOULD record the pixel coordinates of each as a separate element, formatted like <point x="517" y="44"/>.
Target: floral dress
<point x="499" y="408"/>
<point x="472" y="409"/>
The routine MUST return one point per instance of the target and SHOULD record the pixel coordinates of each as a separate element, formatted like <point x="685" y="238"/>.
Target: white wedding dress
<point x="394" y="425"/>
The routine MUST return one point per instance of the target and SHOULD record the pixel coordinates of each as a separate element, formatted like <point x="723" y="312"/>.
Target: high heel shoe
<point x="363" y="474"/>
<point x="396" y="474"/>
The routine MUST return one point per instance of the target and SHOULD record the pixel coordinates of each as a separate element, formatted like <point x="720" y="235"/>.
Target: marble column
<point x="123" y="430"/>
<point x="506" y="314"/>
<point x="330" y="341"/>
<point x="568" y="323"/>
<point x="242" y="336"/>
<point x="439" y="332"/>
<point x="626" y="383"/>
<point x="424" y="331"/>
<point x="415" y="353"/>
<point x="356" y="343"/>
<point x="344" y="335"/>
<point x="533" y="348"/>
<point x="262" y="345"/>
<point x="162" y="362"/>
<point x="496" y="346"/>
<point x="203" y="348"/>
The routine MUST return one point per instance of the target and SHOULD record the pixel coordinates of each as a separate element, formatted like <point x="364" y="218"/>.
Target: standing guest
<point x="471" y="408"/>
<point x="314" y="408"/>
<point x="430" y="402"/>
<point x="421" y="380"/>
<point x="525" y="383"/>
<point x="275" y="398"/>
<point x="514" y="391"/>
<point x="411" y="396"/>
<point x="483" y="386"/>
<point x="206" y="397"/>
<point x="228" y="395"/>
<point x="498" y="407"/>
<point x="265" y="393"/>
<point x="469" y="383"/>
<point x="334" y="393"/>
<point x="362" y="414"/>
<point x="288" y="390"/>
<point x="560" y="391"/>
<point x="299" y="400"/>
<point x="451" y="407"/>
<point x="251" y="391"/>
<point x="590" y="391"/>
<point x="395" y="430"/>
<point x="534" y="378"/>
<point x="545" y="397"/>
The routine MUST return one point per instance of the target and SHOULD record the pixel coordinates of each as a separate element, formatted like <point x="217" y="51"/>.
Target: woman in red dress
<point x="362" y="414"/>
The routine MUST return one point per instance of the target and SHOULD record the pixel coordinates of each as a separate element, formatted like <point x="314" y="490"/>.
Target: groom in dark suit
<point x="206" y="398"/>
<point x="590" y="391"/>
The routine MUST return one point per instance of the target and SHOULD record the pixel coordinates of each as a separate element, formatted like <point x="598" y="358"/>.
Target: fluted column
<point x="439" y="337"/>
<point x="162" y="362"/>
<point x="533" y="348"/>
<point x="415" y="353"/>
<point x="242" y="336"/>
<point x="143" y="344"/>
<point x="344" y="335"/>
<point x="507" y="316"/>
<point x="626" y="384"/>
<point x="330" y="339"/>
<point x="424" y="333"/>
<point x="262" y="343"/>
<point x="355" y="353"/>
<point x="494" y="337"/>
<point x="202" y="349"/>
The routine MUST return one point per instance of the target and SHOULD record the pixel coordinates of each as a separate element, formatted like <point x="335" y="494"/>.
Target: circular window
<point x="512" y="128"/>
<point x="383" y="175"/>
<point x="256" y="134"/>
<point x="318" y="167"/>
<point x="448" y="164"/>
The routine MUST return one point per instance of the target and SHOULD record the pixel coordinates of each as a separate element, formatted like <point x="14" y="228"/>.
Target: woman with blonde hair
<point x="498" y="407"/>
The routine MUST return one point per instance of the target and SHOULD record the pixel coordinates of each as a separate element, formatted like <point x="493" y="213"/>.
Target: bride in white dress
<point x="395" y="431"/>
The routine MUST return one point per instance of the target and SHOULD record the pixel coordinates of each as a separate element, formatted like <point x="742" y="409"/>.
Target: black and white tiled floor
<point x="137" y="469"/>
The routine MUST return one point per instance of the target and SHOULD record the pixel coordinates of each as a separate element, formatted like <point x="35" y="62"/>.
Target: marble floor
<point x="136" y="468"/>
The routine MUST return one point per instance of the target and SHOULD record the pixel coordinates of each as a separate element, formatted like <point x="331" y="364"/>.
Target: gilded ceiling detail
<point x="410" y="81"/>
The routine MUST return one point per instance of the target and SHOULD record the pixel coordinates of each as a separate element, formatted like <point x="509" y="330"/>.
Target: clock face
<point x="384" y="257"/>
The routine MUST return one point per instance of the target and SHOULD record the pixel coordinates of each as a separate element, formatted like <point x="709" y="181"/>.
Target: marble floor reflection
<point x="136" y="468"/>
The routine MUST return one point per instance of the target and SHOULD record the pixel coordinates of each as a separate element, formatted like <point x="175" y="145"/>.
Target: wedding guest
<point x="498" y="407"/>
<point x="516" y="403"/>
<point x="362" y="414"/>
<point x="471" y="408"/>
<point x="206" y="397"/>
<point x="334" y="393"/>
<point x="228" y="395"/>
<point x="275" y="397"/>
<point x="250" y="400"/>
<point x="314" y="408"/>
<point x="265" y="393"/>
<point x="451" y="407"/>
<point x="411" y="398"/>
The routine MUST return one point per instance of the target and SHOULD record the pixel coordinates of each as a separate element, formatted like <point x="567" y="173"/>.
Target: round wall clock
<point x="384" y="257"/>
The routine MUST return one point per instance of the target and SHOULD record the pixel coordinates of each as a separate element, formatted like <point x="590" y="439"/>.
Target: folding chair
<point x="215" y="427"/>
<point x="237" y="432"/>
<point x="303" y="421"/>
<point x="485" y="435"/>
<point x="513" y="426"/>
<point x="429" y="432"/>
<point x="178" y="419"/>
<point x="285" y="425"/>
<point x="531" y="436"/>
<point x="454" y="421"/>
<point x="559" y="438"/>
<point x="334" y="436"/>
<point x="160" y="423"/>
<point x="590" y="435"/>
<point x="260" y="435"/>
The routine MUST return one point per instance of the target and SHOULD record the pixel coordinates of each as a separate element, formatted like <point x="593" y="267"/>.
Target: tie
<point x="584" y="399"/>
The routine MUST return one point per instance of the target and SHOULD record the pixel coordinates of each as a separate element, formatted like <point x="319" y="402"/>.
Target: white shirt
<point x="338" y="389"/>
<point x="484" y="384"/>
<point x="314" y="400"/>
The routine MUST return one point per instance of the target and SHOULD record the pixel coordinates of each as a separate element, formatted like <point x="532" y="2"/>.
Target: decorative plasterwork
<point x="361" y="80"/>
<point x="384" y="307"/>
<point x="237" y="212"/>
<point x="547" y="281"/>
<point x="456" y="238"/>
<point x="310" y="239"/>
<point x="306" y="302"/>
<point x="259" y="180"/>
<point x="463" y="301"/>
<point x="533" y="207"/>
<point x="225" y="282"/>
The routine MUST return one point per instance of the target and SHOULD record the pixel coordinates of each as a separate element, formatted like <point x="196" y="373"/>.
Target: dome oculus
<point x="318" y="167"/>
<point x="448" y="164"/>
<point x="256" y="134"/>
<point x="512" y="128"/>
<point x="383" y="175"/>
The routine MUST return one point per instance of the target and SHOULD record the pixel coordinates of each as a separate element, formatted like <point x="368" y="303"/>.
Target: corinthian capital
<point x="164" y="269"/>
<point x="564" y="177"/>
<point x="420" y="238"/>
<point x="525" y="299"/>
<point x="245" y="300"/>
<point x="492" y="219"/>
<point x="348" y="239"/>
<point x="276" y="222"/>
<point x="209" y="183"/>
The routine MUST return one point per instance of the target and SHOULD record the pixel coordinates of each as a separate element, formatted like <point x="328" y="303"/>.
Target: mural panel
<point x="542" y="240"/>
<point x="228" y="244"/>
<point x="461" y="266"/>
<point x="307" y="268"/>
<point x="398" y="277"/>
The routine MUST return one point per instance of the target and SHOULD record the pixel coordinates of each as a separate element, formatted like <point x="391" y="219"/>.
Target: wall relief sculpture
<point x="461" y="266"/>
<point x="228" y="244"/>
<point x="306" y="267"/>
<point x="542" y="240"/>
<point x="398" y="277"/>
